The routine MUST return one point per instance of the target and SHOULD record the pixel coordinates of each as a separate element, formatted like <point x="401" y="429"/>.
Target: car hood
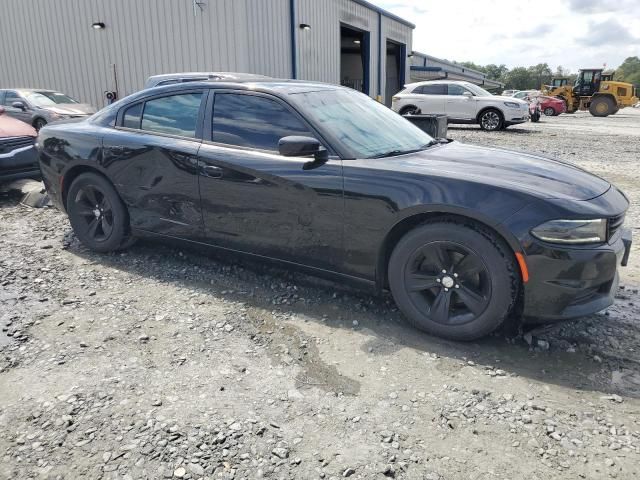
<point x="71" y="109"/>
<point x="10" y="127"/>
<point x="541" y="176"/>
<point x="506" y="99"/>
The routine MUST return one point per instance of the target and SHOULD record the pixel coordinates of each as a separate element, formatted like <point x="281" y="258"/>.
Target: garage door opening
<point x="354" y="58"/>
<point x="396" y="65"/>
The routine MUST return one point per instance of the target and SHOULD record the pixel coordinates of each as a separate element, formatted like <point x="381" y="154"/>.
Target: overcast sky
<point x="571" y="33"/>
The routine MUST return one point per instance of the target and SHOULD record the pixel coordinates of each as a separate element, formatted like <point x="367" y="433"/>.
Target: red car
<point x="18" y="158"/>
<point x="552" y="106"/>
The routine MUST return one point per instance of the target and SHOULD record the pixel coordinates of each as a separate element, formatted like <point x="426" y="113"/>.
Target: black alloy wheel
<point x="448" y="281"/>
<point x="94" y="207"/>
<point x="454" y="279"/>
<point x="99" y="218"/>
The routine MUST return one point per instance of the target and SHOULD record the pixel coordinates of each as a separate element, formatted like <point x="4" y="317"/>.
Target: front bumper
<point x="570" y="282"/>
<point x="19" y="163"/>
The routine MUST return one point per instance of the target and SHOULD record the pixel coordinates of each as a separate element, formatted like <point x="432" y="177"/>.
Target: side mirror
<point x="468" y="94"/>
<point x="294" y="146"/>
<point x="19" y="105"/>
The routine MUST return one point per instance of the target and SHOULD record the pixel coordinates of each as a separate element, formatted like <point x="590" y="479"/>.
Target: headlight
<point x="572" y="231"/>
<point x="512" y="104"/>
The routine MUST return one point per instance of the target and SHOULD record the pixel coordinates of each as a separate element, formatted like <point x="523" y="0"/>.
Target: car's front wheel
<point x="99" y="218"/>
<point x="453" y="279"/>
<point x="491" y="120"/>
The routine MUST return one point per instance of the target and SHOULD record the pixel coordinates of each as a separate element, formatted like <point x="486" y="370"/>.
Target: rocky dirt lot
<point x="163" y="363"/>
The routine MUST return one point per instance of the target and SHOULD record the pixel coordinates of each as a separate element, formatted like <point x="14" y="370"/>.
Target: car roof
<point x="438" y="82"/>
<point x="212" y="76"/>
<point x="283" y="86"/>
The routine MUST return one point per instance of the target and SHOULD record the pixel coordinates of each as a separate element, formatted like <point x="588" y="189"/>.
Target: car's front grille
<point x="614" y="224"/>
<point x="12" y="143"/>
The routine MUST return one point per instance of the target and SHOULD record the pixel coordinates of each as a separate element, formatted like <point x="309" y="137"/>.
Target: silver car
<point x="37" y="107"/>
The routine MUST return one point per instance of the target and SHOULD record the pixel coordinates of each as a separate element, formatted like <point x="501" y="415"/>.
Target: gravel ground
<point x="163" y="363"/>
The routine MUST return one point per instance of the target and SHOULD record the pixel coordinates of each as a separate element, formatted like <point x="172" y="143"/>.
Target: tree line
<point x="532" y="77"/>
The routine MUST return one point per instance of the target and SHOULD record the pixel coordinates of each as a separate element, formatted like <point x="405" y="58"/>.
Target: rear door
<point x="258" y="201"/>
<point x="460" y="106"/>
<point x="430" y="98"/>
<point x="152" y="157"/>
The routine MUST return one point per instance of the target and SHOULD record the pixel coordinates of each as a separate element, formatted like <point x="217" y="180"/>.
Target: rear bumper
<point x="568" y="283"/>
<point x="19" y="163"/>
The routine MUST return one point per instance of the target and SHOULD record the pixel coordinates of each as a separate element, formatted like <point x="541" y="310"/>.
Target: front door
<point x="461" y="104"/>
<point x="255" y="200"/>
<point x="23" y="114"/>
<point x="152" y="158"/>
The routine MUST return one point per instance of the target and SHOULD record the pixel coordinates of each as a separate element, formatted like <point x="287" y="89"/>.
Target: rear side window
<point x="437" y="89"/>
<point x="254" y="122"/>
<point x="2" y="97"/>
<point x="131" y="118"/>
<point x="173" y="115"/>
<point x="10" y="97"/>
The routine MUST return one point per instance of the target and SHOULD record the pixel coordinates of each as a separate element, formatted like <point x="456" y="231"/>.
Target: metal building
<point x="425" y="67"/>
<point x="87" y="47"/>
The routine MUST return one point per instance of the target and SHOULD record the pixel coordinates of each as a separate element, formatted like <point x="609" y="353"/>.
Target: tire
<point x="535" y="118"/>
<point x="615" y="111"/>
<point x="473" y="297"/>
<point x="550" y="112"/>
<point x="39" y="123"/>
<point x="491" y="120"/>
<point x="601" y="107"/>
<point x="409" y="110"/>
<point x="99" y="218"/>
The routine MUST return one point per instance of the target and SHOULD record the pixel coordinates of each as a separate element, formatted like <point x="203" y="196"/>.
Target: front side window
<point x="254" y="122"/>
<point x="173" y="115"/>
<point x="11" y="97"/>
<point x="456" y="90"/>
<point x="365" y="127"/>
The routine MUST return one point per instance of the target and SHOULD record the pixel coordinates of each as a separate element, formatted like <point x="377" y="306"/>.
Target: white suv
<point x="461" y="102"/>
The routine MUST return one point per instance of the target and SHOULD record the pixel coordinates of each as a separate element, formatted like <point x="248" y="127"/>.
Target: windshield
<point x="478" y="91"/>
<point x="367" y="128"/>
<point x="46" y="99"/>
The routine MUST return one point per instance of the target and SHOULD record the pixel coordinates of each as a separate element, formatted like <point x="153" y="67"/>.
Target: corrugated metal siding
<point x="318" y="53"/>
<point x="50" y="43"/>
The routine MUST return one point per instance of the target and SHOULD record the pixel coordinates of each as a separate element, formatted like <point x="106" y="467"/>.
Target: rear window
<point x="173" y="115"/>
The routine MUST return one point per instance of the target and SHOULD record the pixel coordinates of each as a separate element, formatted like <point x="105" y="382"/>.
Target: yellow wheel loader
<point x="594" y="91"/>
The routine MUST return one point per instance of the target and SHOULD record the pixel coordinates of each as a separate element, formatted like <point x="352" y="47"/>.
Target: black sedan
<point x="325" y="178"/>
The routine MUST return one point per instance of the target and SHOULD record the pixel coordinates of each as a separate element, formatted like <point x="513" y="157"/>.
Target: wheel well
<point x="71" y="175"/>
<point x="35" y="120"/>
<point x="409" y="223"/>
<point x="404" y="108"/>
<point x="496" y="109"/>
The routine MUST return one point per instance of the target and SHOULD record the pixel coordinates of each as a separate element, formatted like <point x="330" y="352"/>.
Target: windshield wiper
<point x="395" y="153"/>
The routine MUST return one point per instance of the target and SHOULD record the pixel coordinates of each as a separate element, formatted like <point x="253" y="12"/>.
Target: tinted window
<point x="1" y="97"/>
<point x="432" y="90"/>
<point x="255" y="122"/>
<point x="131" y="118"/>
<point x="175" y="115"/>
<point x="456" y="90"/>
<point x="11" y="97"/>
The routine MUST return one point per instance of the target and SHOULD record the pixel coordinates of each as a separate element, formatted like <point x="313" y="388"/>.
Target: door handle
<point x="211" y="171"/>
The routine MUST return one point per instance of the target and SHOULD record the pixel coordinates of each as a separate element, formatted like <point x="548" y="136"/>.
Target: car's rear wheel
<point x="99" y="218"/>
<point x="453" y="279"/>
<point x="409" y="110"/>
<point x="491" y="120"/>
<point x="549" y="111"/>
